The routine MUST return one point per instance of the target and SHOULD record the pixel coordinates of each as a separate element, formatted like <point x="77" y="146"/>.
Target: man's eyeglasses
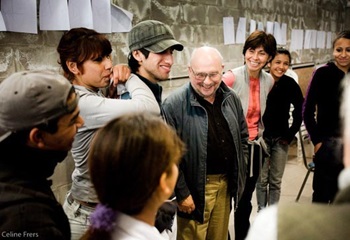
<point x="201" y="76"/>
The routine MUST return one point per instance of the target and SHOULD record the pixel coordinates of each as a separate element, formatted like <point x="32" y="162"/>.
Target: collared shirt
<point x="129" y="228"/>
<point x="220" y="148"/>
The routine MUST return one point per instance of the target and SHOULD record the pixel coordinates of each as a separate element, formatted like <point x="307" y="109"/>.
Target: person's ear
<point x="72" y="66"/>
<point x="189" y="70"/>
<point x="36" y="138"/>
<point x="137" y="55"/>
<point x="164" y="184"/>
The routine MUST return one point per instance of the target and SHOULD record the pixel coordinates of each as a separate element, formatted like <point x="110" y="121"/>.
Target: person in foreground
<point x="322" y="119"/>
<point x="317" y="220"/>
<point x="278" y="134"/>
<point x="39" y="117"/>
<point x="133" y="166"/>
<point x="208" y="117"/>
<point x="85" y="58"/>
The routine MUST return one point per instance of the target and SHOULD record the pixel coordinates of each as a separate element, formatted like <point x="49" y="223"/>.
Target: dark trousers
<point x="328" y="164"/>
<point x="244" y="209"/>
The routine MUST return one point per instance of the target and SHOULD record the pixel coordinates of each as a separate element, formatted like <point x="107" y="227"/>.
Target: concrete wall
<point x="194" y="22"/>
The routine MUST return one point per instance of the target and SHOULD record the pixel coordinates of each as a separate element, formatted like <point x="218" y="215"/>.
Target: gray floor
<point x="293" y="177"/>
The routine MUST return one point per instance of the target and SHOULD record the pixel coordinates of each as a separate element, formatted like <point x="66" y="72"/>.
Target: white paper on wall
<point x="2" y="23"/>
<point x="101" y="15"/>
<point x="20" y="15"/>
<point x="229" y="33"/>
<point x="329" y="40"/>
<point x="284" y="34"/>
<point x="121" y="19"/>
<point x="241" y="30"/>
<point x="269" y="27"/>
<point x="321" y="39"/>
<point x="80" y="13"/>
<point x="252" y="26"/>
<point x="310" y="39"/>
<point x="277" y="32"/>
<point x="297" y="39"/>
<point x="280" y="33"/>
<point x="53" y="15"/>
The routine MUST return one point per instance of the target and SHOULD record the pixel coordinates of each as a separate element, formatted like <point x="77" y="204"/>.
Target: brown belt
<point x="70" y="200"/>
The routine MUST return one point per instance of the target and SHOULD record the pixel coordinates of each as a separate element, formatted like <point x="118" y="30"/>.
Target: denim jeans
<point x="268" y="186"/>
<point x="78" y="216"/>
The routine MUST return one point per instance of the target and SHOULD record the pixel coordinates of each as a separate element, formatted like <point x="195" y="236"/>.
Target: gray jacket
<point x="183" y="111"/>
<point x="96" y="111"/>
<point x="242" y="87"/>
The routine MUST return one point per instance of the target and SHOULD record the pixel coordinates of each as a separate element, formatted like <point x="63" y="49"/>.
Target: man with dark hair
<point x="39" y="117"/>
<point x="152" y="44"/>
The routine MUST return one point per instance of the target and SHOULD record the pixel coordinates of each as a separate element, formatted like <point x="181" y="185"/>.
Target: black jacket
<point x="28" y="207"/>
<point x="189" y="118"/>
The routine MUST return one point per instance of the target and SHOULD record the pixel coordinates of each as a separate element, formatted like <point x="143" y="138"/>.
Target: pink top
<point x="254" y="110"/>
<point x="253" y="113"/>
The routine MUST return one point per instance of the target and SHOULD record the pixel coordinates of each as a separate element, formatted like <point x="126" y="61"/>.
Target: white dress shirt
<point x="129" y="228"/>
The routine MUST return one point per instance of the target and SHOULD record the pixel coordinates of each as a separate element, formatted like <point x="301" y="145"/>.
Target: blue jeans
<point x="268" y="186"/>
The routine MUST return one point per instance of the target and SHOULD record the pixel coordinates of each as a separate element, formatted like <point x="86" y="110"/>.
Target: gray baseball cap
<point x="30" y="98"/>
<point x="153" y="36"/>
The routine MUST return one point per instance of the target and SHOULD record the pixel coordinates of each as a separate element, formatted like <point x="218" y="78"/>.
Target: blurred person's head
<point x="39" y="109"/>
<point x="39" y="117"/>
<point x="151" y="45"/>
<point x="133" y="166"/>
<point x="205" y="71"/>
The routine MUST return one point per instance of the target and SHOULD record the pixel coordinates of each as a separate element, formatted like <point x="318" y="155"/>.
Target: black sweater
<point x="276" y="117"/>
<point x="324" y="91"/>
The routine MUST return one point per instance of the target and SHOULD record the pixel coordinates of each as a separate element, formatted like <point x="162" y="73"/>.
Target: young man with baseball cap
<point x="39" y="117"/>
<point x="151" y="45"/>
